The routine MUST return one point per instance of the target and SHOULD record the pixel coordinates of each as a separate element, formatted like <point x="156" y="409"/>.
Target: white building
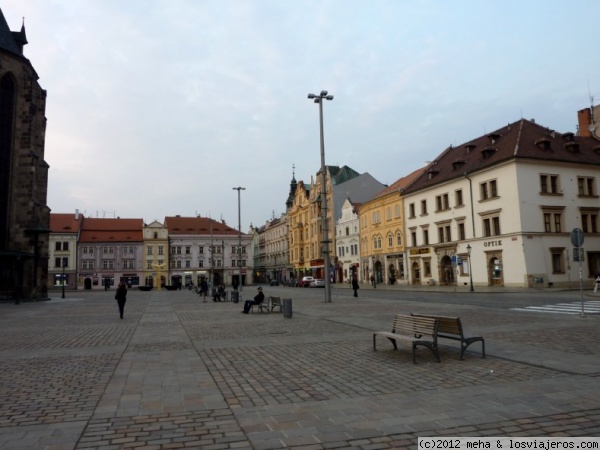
<point x="511" y="199"/>
<point x="347" y="241"/>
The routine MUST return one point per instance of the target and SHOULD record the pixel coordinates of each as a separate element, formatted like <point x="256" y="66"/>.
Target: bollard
<point x="287" y="307"/>
<point x="235" y="297"/>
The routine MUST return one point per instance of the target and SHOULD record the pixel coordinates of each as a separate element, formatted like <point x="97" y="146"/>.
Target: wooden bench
<point x="417" y="329"/>
<point x="451" y="328"/>
<point x="276" y="303"/>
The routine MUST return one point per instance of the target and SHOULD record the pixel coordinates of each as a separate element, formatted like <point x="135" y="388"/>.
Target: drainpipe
<point x="472" y="211"/>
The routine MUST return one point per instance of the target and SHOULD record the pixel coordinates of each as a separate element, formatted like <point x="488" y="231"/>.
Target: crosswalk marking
<point x="589" y="307"/>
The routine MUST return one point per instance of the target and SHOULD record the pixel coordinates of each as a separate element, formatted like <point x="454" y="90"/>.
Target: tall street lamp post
<point x="470" y="270"/>
<point x="239" y="252"/>
<point x="324" y="221"/>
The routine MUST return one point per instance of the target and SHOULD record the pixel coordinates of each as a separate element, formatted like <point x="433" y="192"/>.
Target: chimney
<point x="584" y="118"/>
<point x="76" y="214"/>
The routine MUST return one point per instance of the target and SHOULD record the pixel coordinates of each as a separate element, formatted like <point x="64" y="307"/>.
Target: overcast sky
<point x="161" y="107"/>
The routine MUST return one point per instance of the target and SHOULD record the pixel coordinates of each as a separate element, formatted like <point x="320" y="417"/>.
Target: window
<point x="61" y="262"/>
<point x="128" y="264"/>
<point x="178" y="264"/>
<point x="585" y="187"/>
<point x="388" y="213"/>
<point x="176" y="250"/>
<point x="442" y="203"/>
<point x="128" y="249"/>
<point x="161" y="250"/>
<point x="390" y="240"/>
<point x="558" y="263"/>
<point x="149" y="265"/>
<point x="88" y="250"/>
<point x="89" y="264"/>
<point x="108" y="264"/>
<point x="376" y="218"/>
<point x="398" y="238"/>
<point x="396" y="211"/>
<point x="458" y="198"/>
<point x="413" y="238"/>
<point x="425" y="237"/>
<point x="589" y="220"/>
<point x="201" y="263"/>
<point x="376" y="242"/>
<point x="411" y="210"/>
<point x="461" y="231"/>
<point x="491" y="226"/>
<point x="149" y="250"/>
<point x="444" y="234"/>
<point x="549" y="184"/>
<point x="108" y="249"/>
<point x="61" y="246"/>
<point x="552" y="219"/>
<point x="188" y="264"/>
<point x="488" y="190"/>
<point x="188" y="249"/>
<point x="423" y="207"/>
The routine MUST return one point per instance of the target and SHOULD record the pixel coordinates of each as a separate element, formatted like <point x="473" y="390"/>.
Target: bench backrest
<point x="447" y="325"/>
<point x="415" y="325"/>
<point x="275" y="300"/>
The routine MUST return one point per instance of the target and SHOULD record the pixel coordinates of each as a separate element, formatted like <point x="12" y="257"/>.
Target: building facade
<point x="109" y="252"/>
<point x="155" y="255"/>
<point x="382" y="234"/>
<point x="24" y="214"/>
<point x="499" y="210"/>
<point x="202" y="248"/>
<point x="347" y="242"/>
<point x="62" y="260"/>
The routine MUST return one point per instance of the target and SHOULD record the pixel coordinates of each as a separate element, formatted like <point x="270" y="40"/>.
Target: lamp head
<point x="311" y="96"/>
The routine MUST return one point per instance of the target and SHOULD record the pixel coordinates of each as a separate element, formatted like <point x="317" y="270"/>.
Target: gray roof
<point x="7" y="40"/>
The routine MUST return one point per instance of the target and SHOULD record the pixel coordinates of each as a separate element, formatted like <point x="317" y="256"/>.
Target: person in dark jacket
<point x="121" y="297"/>
<point x="258" y="299"/>
<point x="355" y="286"/>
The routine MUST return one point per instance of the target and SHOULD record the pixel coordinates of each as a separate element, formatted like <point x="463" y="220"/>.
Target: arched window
<point x="390" y="240"/>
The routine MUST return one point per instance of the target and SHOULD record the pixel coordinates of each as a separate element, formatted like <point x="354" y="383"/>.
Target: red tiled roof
<point x="112" y="230"/>
<point x="401" y="183"/>
<point x="197" y="225"/>
<point x="524" y="139"/>
<point x="65" y="223"/>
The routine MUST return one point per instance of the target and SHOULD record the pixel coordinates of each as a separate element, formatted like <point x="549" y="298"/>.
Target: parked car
<point x="305" y="282"/>
<point x="274" y="283"/>
<point x="317" y="282"/>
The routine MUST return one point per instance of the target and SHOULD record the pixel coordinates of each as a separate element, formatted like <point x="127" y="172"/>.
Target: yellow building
<point x="382" y="242"/>
<point x="299" y="239"/>
<point x="155" y="254"/>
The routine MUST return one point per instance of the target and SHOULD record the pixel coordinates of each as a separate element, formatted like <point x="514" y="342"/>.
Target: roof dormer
<point x="488" y="151"/>
<point x="543" y="143"/>
<point x="493" y="137"/>
<point x="458" y="164"/>
<point x="572" y="147"/>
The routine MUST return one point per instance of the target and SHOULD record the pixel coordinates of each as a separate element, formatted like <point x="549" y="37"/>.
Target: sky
<point x="161" y="107"/>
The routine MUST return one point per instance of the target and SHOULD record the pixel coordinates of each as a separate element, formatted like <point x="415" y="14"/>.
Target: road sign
<point x="453" y="260"/>
<point x="576" y="237"/>
<point x="459" y="261"/>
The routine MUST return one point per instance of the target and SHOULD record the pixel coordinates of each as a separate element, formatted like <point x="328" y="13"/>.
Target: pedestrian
<point x="373" y="281"/>
<point x="235" y="283"/>
<point x="596" y="283"/>
<point x="121" y="297"/>
<point x="355" y="285"/>
<point x="258" y="299"/>
<point x="203" y="289"/>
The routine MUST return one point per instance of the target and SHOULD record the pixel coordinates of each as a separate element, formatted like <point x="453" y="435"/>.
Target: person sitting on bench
<point x="258" y="299"/>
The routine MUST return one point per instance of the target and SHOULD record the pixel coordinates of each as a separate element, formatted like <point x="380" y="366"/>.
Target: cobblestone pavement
<point x="179" y="373"/>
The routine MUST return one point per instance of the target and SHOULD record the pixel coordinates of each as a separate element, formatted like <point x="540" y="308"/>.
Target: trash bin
<point x="235" y="297"/>
<point x="287" y="307"/>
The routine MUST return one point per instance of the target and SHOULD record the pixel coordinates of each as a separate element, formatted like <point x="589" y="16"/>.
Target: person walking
<point x="203" y="289"/>
<point x="355" y="286"/>
<point x="121" y="297"/>
<point x="258" y="299"/>
<point x="596" y="283"/>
